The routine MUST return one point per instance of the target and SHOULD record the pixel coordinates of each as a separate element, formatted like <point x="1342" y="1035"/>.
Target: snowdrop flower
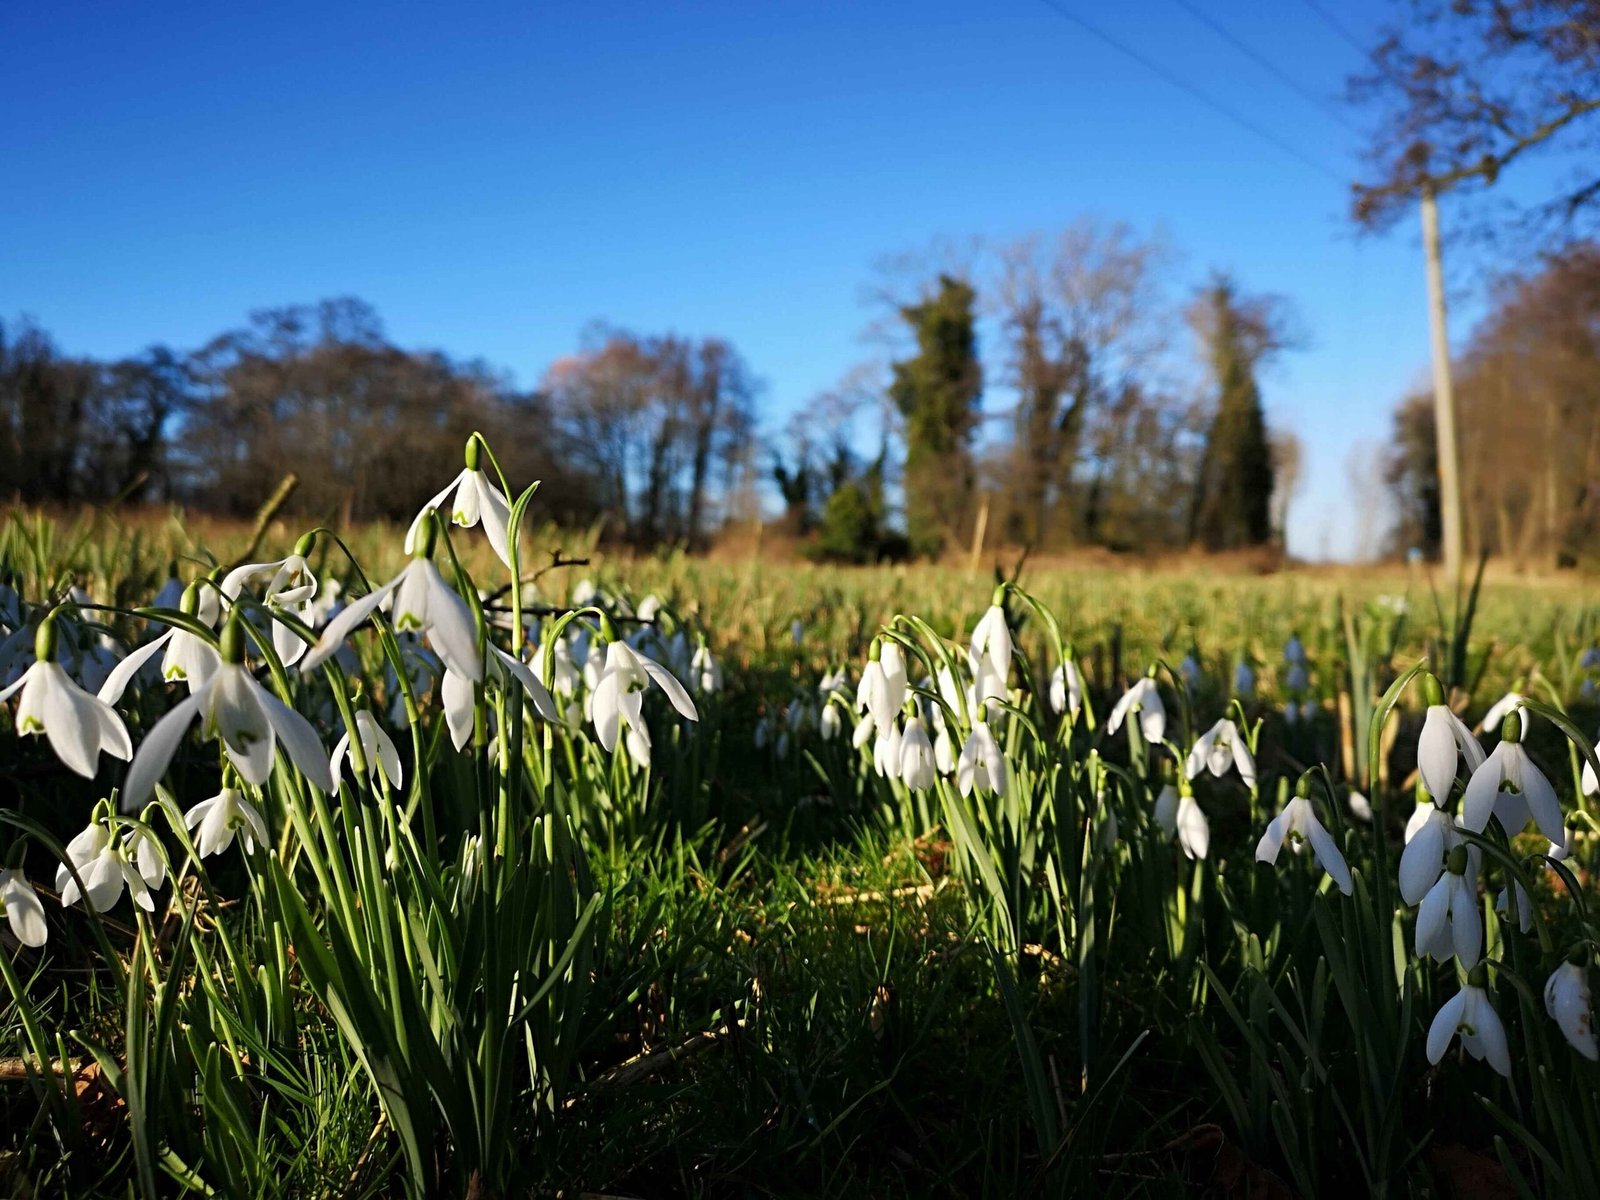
<point x="19" y="905"/>
<point x="1431" y="836"/>
<point x="1470" y="1014"/>
<point x="981" y="765"/>
<point x="184" y="655"/>
<point x="705" y="670"/>
<point x="991" y="638"/>
<point x="1221" y="747"/>
<point x="475" y="500"/>
<point x="619" y="696"/>
<point x="882" y="689"/>
<point x="916" y="757"/>
<point x="830" y="722"/>
<point x="1562" y="850"/>
<point x="218" y="819"/>
<point x="1066" y="690"/>
<point x="886" y="752"/>
<point x="797" y="630"/>
<point x="944" y="751"/>
<point x="1244" y="680"/>
<point x="423" y="602"/>
<point x="171" y="593"/>
<point x="1443" y="735"/>
<point x="1295" y="679"/>
<point x="649" y="607"/>
<point x="106" y="864"/>
<point x="1189" y="670"/>
<point x="1166" y="812"/>
<point x="1360" y="807"/>
<point x="1511" y="702"/>
<point x="1566" y="999"/>
<point x="1510" y="786"/>
<point x="1143" y="698"/>
<point x="292" y="589"/>
<point x="78" y="726"/>
<point x="1298" y="822"/>
<point x="1447" y="920"/>
<point x="249" y="720"/>
<point x="1591" y="785"/>
<point x="377" y="748"/>
<point x="1294" y="651"/>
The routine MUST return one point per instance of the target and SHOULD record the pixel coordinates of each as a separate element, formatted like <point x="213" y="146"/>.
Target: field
<point x="968" y="928"/>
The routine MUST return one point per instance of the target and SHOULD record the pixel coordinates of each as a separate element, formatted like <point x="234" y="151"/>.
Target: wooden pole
<point x="1444" y="401"/>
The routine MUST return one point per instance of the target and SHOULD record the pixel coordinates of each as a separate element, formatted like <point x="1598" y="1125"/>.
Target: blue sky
<point x="492" y="177"/>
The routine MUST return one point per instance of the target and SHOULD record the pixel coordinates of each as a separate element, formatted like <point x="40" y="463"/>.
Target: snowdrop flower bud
<point x="1470" y="1014"/>
<point x="19" y="905"/>
<point x="1443" y="735"/>
<point x="1066" y="689"/>
<point x="991" y="638"/>
<point x="944" y="751"/>
<point x="830" y="722"/>
<point x="1509" y="786"/>
<point x="1298" y="823"/>
<point x="1166" y="812"/>
<point x="1448" y="921"/>
<point x="916" y="757"/>
<point x="1566" y="999"/>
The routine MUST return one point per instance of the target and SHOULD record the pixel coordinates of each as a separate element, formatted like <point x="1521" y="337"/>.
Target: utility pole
<point x="1444" y="400"/>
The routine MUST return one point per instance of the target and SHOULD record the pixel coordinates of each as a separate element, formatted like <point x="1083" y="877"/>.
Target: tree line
<point x="1089" y="436"/>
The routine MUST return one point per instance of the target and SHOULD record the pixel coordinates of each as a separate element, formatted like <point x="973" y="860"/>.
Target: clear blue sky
<point x="491" y="177"/>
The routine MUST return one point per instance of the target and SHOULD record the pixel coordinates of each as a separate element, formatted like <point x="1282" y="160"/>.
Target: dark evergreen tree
<point x="1233" y="495"/>
<point x="937" y="392"/>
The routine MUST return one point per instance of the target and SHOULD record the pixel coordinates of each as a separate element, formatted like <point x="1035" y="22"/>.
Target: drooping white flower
<point x="705" y="671"/>
<point x="79" y="726"/>
<point x="423" y="603"/>
<point x="981" y="765"/>
<point x="944" y="751"/>
<point x="619" y="694"/>
<point x="377" y="748"/>
<point x="1515" y="897"/>
<point x="1445" y="738"/>
<point x="1448" y="921"/>
<point x="1360" y="807"/>
<point x="1220" y="747"/>
<point x="1591" y="785"/>
<point x="1509" y="785"/>
<point x="249" y="720"/>
<point x="1145" y="699"/>
<point x="1511" y="702"/>
<point x="292" y="588"/>
<point x="916" y="757"/>
<point x="886" y="751"/>
<point x="1166" y="810"/>
<point x="184" y="656"/>
<point x="1296" y="823"/>
<point x="1066" y="689"/>
<point x="20" y="906"/>
<point x="471" y="499"/>
<point x="217" y="820"/>
<point x="830" y="722"/>
<point x="1194" y="831"/>
<point x="991" y="642"/>
<point x="1430" y="837"/>
<point x="106" y="864"/>
<point x="1566" y="999"/>
<point x="1470" y="1014"/>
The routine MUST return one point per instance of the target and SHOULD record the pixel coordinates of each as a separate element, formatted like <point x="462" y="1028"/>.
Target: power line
<point x="1339" y="27"/>
<point x="1196" y="93"/>
<point x="1266" y="64"/>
